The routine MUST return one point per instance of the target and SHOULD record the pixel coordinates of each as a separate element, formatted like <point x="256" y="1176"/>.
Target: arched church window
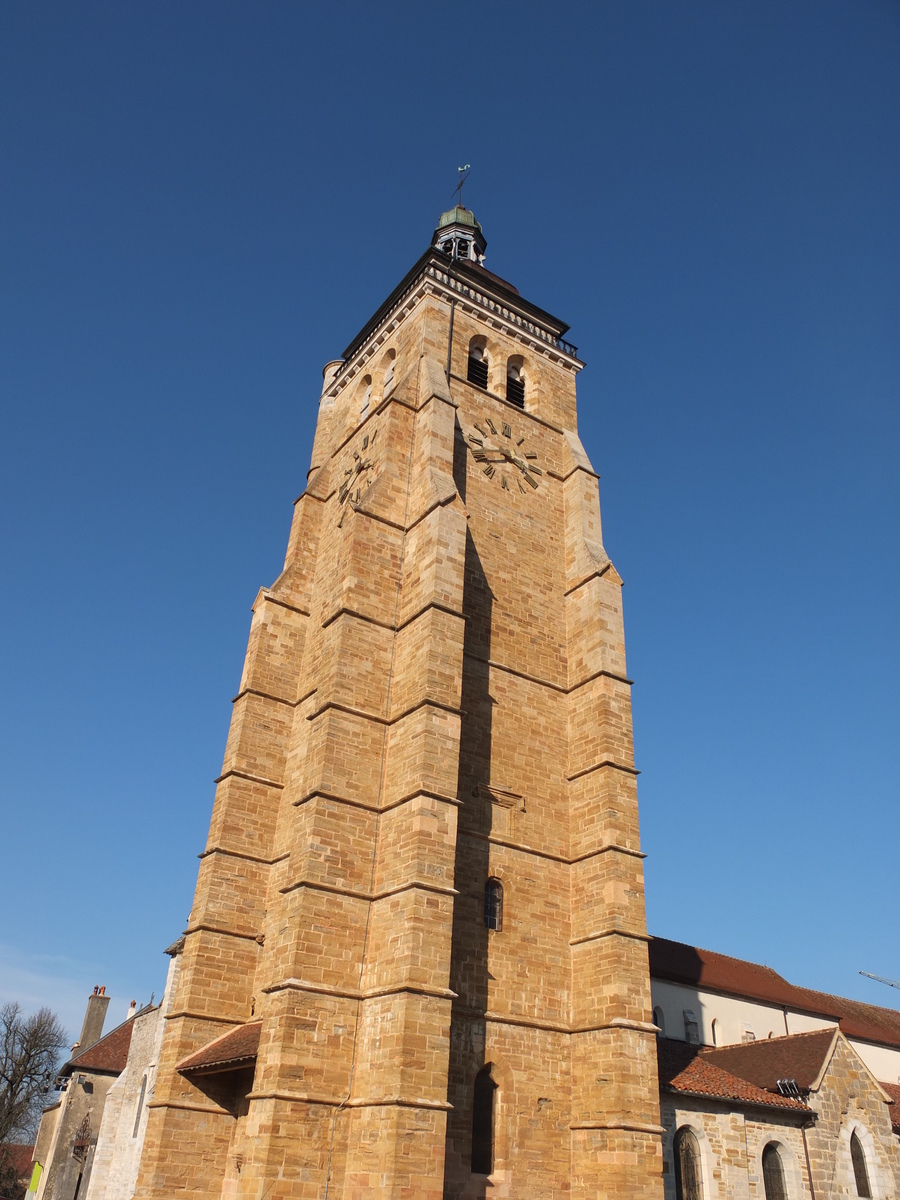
<point x="773" y="1173"/>
<point x="860" y="1169"/>
<point x="483" y="1114"/>
<point x="515" y="383"/>
<point x="493" y="904"/>
<point x="688" y="1179"/>
<point x="659" y="1021"/>
<point x="477" y="371"/>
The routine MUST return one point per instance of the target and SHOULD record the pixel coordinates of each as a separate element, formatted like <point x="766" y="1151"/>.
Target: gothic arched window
<point x="493" y="904"/>
<point x="860" y="1170"/>
<point x="515" y="384"/>
<point x="483" y="1104"/>
<point x="688" y="1179"/>
<point x="773" y="1173"/>
<point x="477" y="371"/>
<point x="659" y="1021"/>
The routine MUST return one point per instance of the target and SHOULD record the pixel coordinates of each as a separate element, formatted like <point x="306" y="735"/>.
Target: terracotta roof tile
<point x="232" y="1048"/>
<point x="19" y="1157"/>
<point x="109" y="1055"/>
<point x="893" y="1090"/>
<point x="684" y="1068"/>
<point x="681" y="963"/>
<point x="799" y="1057"/>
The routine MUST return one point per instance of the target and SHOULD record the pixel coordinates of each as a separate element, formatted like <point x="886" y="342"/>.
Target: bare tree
<point x="29" y="1052"/>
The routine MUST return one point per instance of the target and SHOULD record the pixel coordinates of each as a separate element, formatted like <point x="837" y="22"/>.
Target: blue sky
<point x="203" y="203"/>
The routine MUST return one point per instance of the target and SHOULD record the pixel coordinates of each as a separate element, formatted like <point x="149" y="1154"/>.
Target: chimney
<point x="132" y="1009"/>
<point x="95" y="1014"/>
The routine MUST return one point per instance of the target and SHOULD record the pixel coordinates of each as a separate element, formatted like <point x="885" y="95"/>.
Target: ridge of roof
<point x="679" y="962"/>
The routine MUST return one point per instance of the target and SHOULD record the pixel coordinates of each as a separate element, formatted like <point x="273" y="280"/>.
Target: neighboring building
<point x="751" y="1105"/>
<point x="416" y="963"/>
<point x="124" y="1121"/>
<point x="67" y="1138"/>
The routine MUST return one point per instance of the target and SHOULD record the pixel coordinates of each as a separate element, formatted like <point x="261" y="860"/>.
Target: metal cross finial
<point x="463" y="176"/>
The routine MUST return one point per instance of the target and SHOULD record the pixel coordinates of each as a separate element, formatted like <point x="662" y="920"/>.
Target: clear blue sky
<point x="202" y="203"/>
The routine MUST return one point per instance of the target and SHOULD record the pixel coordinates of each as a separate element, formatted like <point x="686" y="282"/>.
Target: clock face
<point x="504" y="457"/>
<point x="357" y="476"/>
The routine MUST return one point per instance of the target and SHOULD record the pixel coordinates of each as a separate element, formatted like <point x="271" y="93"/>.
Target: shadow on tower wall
<point x="469" y="960"/>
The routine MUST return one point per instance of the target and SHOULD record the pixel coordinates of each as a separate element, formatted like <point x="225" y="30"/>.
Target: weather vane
<point x="463" y="176"/>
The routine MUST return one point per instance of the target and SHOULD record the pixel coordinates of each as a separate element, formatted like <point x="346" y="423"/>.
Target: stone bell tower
<point x="416" y="965"/>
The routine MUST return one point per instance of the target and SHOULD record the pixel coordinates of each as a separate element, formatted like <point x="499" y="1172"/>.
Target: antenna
<point x="881" y="979"/>
<point x="464" y="173"/>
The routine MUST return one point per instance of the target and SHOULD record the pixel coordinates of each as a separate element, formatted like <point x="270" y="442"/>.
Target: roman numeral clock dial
<point x="357" y="476"/>
<point x="503" y="457"/>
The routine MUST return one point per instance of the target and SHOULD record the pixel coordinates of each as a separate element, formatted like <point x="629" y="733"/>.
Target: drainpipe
<point x="812" y="1189"/>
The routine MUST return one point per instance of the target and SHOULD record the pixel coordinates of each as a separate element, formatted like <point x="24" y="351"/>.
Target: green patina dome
<point x="458" y="216"/>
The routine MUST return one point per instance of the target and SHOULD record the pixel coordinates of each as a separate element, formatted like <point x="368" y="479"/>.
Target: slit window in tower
<point x="478" y="367"/>
<point x="493" y="904"/>
<point x="483" y="1103"/>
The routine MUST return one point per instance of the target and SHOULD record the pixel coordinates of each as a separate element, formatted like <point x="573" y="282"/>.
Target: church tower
<point x="416" y="964"/>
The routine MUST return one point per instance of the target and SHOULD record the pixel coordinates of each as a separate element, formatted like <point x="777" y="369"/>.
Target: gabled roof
<point x="232" y="1050"/>
<point x="680" y="963"/>
<point x="109" y="1055"/>
<point x="801" y="1057"/>
<point x="686" y="1069"/>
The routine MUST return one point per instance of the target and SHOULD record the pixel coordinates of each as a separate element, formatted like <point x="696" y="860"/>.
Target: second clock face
<point x="504" y="457"/>
<point x="357" y="476"/>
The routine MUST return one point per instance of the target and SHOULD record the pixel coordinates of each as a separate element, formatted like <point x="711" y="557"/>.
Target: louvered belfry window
<point x="688" y="1180"/>
<point x="860" y="1170"/>
<point x="515" y="387"/>
<point x="773" y="1173"/>
<point x="483" y="1123"/>
<point x="478" y="368"/>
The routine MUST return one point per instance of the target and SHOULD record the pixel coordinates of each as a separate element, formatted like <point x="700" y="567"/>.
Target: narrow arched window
<point x="477" y="371"/>
<point x="773" y="1173"/>
<point x="860" y="1170"/>
<point x="366" y="393"/>
<point x="140" y="1105"/>
<point x="493" y="904"/>
<point x="659" y="1021"/>
<point x="483" y="1105"/>
<point x="716" y="1032"/>
<point x="389" y="372"/>
<point x="688" y="1180"/>
<point x="515" y="384"/>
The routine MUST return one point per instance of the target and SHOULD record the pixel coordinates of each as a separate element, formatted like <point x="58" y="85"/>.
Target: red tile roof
<point x="232" y="1049"/>
<point x="681" y="963"/>
<point x="686" y="1069"/>
<point x="19" y="1157"/>
<point x="893" y="1090"/>
<point x="108" y="1056"/>
<point x="799" y="1057"/>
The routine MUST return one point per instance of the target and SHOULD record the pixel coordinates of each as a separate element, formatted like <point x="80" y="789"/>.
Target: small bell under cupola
<point x="460" y="236"/>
